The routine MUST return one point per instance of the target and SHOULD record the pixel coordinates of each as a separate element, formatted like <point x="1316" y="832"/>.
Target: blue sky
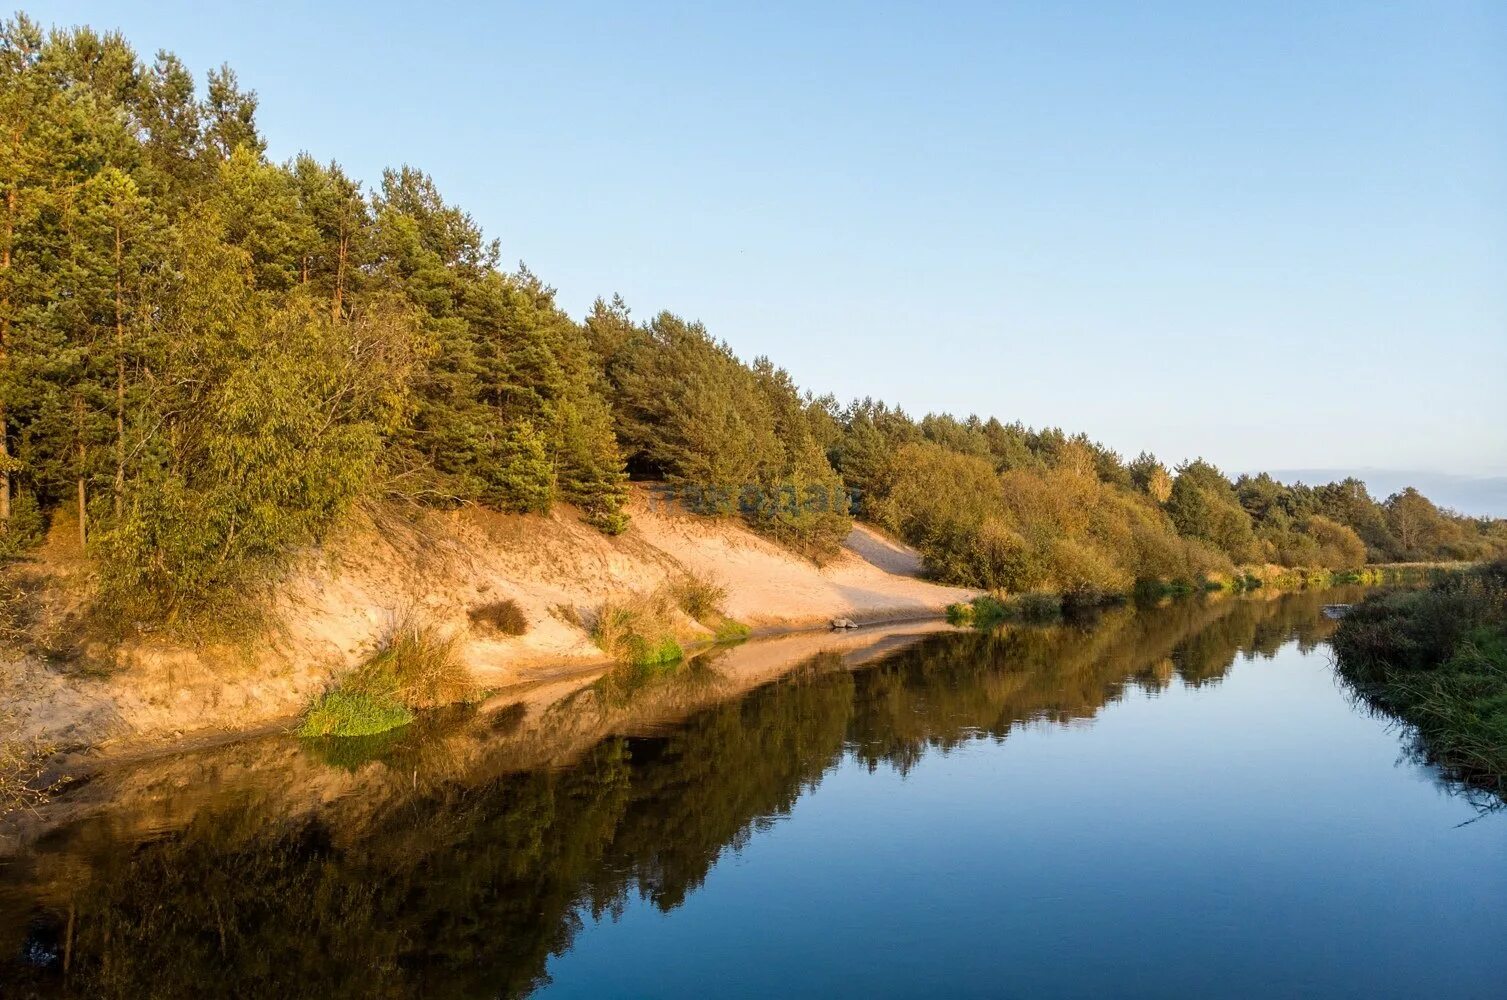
<point x="1274" y="234"/>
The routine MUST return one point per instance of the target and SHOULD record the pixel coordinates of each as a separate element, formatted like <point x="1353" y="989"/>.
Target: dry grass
<point x="15" y="612"/>
<point x="416" y="664"/>
<point x="22" y="765"/>
<point x="638" y="629"/>
<point x="701" y="597"/>
<point x="499" y="617"/>
<point x="415" y="667"/>
<point x="566" y="613"/>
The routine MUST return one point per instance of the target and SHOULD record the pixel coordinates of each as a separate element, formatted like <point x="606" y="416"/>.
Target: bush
<point x="1039" y="607"/>
<point x="502" y="617"/>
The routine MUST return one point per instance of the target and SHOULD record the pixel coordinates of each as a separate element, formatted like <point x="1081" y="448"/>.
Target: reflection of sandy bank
<point x="745" y="666"/>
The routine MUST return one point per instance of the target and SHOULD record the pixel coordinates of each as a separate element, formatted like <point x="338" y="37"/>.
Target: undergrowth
<point x="638" y="629"/>
<point x="22" y="765"/>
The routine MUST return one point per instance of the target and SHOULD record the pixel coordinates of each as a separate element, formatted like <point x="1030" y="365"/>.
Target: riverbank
<point x="339" y="602"/>
<point x="1437" y="659"/>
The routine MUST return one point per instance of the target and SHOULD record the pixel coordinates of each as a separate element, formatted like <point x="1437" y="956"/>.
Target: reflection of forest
<point x="464" y="887"/>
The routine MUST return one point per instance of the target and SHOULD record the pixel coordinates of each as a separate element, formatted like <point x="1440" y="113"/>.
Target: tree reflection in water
<point x="464" y="886"/>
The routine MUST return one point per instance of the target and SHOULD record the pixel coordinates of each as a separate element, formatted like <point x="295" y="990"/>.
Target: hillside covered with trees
<point x="208" y="359"/>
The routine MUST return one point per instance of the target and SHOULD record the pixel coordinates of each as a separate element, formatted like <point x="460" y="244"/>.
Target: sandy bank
<point x="340" y="599"/>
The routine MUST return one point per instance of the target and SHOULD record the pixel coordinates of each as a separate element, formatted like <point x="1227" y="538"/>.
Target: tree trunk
<point x="82" y="455"/>
<point x="83" y="509"/>
<point x="5" y="300"/>
<point x="340" y="256"/>
<point x="120" y="383"/>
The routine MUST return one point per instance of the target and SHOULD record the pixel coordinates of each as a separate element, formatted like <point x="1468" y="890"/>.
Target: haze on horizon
<point x="1276" y="238"/>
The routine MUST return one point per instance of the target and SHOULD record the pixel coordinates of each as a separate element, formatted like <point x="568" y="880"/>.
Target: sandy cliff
<point x="341" y="598"/>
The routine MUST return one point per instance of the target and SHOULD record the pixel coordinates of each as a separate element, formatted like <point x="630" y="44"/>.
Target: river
<point x="1155" y="802"/>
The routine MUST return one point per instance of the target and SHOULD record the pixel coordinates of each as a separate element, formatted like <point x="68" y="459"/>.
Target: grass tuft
<point x="415" y="667"/>
<point x="501" y="617"/>
<point x="986" y="610"/>
<point x="730" y="631"/>
<point x="699" y="596"/>
<point x="354" y="713"/>
<point x="638" y="629"/>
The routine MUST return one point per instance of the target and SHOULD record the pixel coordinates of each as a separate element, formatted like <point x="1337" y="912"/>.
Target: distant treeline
<point x="207" y="359"/>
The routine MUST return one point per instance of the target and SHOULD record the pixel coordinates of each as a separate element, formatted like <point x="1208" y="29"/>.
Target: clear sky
<point x="1274" y="234"/>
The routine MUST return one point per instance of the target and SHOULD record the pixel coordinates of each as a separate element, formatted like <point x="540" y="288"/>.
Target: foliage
<point x="983" y="611"/>
<point x="1033" y="528"/>
<point x="210" y="358"/>
<point x="353" y="714"/>
<point x="22" y="767"/>
<point x="732" y="438"/>
<point x="699" y="596"/>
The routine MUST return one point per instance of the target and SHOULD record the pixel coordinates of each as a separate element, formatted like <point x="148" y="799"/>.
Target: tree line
<point x="207" y="359"/>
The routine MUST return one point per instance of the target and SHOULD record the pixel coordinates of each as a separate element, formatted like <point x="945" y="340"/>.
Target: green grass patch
<point x="730" y="631"/>
<point x="986" y="610"/>
<point x="659" y="654"/>
<point x="354" y="713"/>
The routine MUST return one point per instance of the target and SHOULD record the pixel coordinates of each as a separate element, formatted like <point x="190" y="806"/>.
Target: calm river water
<point x="1180" y="801"/>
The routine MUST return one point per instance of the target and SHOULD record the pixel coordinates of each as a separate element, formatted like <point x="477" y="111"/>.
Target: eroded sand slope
<point x="340" y="599"/>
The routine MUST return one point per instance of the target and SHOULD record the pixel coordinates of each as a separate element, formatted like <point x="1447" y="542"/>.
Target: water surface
<point x="1170" y="801"/>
